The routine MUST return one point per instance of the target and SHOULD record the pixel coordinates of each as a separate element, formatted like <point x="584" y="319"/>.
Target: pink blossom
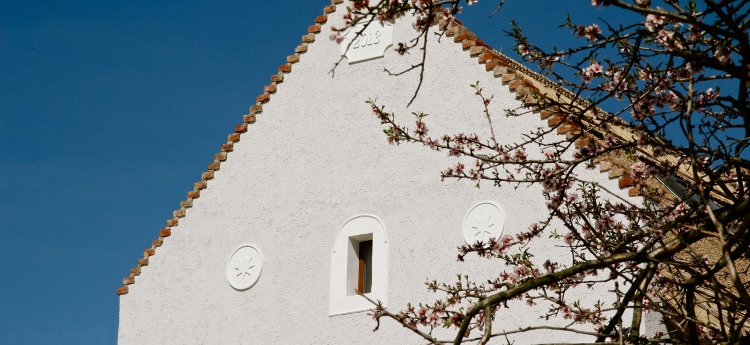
<point x="594" y="70"/>
<point x="664" y="37"/>
<point x="644" y="74"/>
<point x="523" y="50"/>
<point x="653" y="21"/>
<point x="723" y="54"/>
<point x="673" y="101"/>
<point x="592" y="31"/>
<point x="336" y="36"/>
<point x="569" y="238"/>
<point x="691" y="69"/>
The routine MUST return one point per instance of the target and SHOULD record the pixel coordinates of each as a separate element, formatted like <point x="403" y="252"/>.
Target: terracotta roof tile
<point x="302" y="48"/>
<point x="515" y="84"/>
<point x="308" y="38"/>
<point x="271" y="88"/>
<point x="492" y="64"/>
<point x="616" y="173"/>
<point x="544" y="114"/>
<point x="263" y="98"/>
<point x="633" y="192"/>
<point x="460" y="36"/>
<point x="476" y="50"/>
<point x="293" y="58"/>
<point x="142" y="262"/>
<point x="625" y="182"/>
<point x="313" y="29"/>
<point x="508" y="77"/>
<point x="485" y="57"/>
<point x="256" y="109"/>
<point x="179" y="213"/>
<point x="468" y="44"/>
<point x="277" y="78"/>
<point x="227" y="147"/>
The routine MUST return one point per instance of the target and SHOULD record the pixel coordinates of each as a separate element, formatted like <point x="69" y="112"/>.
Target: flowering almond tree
<point x="668" y="95"/>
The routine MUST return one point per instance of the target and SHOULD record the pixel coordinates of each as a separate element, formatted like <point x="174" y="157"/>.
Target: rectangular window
<point x="364" y="277"/>
<point x="359" y="263"/>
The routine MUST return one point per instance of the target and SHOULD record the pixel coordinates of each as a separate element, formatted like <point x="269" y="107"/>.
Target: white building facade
<point x="265" y="248"/>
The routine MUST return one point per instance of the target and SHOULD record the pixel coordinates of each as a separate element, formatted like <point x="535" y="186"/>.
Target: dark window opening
<point x="364" y="278"/>
<point x="679" y="188"/>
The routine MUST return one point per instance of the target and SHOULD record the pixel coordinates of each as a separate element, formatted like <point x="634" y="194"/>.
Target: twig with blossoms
<point x="667" y="68"/>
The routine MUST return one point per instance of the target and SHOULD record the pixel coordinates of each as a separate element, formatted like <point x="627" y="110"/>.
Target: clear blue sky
<point x="110" y="110"/>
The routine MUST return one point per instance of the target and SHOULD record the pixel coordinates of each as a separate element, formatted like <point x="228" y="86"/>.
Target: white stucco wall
<point x="316" y="157"/>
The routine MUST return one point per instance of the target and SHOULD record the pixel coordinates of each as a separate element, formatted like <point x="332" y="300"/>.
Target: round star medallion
<point x="244" y="267"/>
<point x="484" y="221"/>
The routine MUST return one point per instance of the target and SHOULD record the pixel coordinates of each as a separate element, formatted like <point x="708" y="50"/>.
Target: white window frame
<point x="344" y="265"/>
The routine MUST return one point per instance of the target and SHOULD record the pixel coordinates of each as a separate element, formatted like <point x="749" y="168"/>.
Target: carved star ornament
<point x="484" y="220"/>
<point x="244" y="267"/>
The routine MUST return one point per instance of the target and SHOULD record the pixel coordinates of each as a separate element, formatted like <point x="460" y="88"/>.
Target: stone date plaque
<point x="369" y="44"/>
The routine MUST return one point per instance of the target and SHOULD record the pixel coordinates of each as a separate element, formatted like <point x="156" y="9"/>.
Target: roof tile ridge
<point x="501" y="64"/>
<point x="516" y="76"/>
<point x="487" y="52"/>
<point x="227" y="147"/>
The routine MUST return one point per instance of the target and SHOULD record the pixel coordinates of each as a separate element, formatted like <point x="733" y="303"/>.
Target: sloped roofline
<point x="528" y="86"/>
<point x="227" y="147"/>
<point x="531" y="87"/>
